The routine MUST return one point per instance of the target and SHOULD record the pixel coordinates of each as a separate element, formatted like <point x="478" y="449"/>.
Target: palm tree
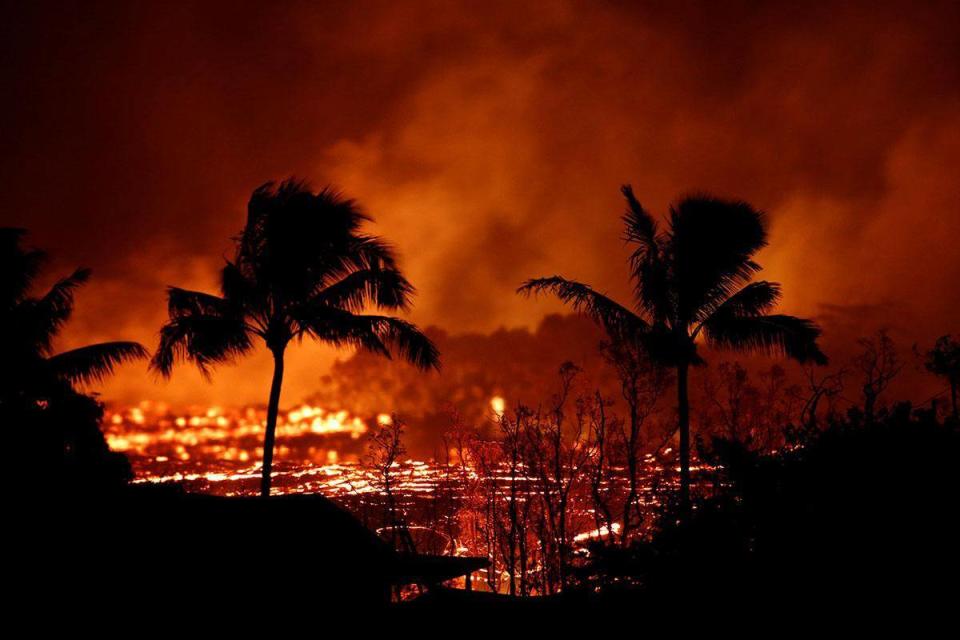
<point x="692" y="281"/>
<point x="58" y="424"/>
<point x="30" y="369"/>
<point x="302" y="267"/>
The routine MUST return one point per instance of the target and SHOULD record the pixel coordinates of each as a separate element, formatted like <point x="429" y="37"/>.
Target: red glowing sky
<point x="489" y="141"/>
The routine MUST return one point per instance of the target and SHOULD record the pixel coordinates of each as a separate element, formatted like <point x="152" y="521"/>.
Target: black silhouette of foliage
<point x="30" y="325"/>
<point x="36" y="384"/>
<point x="692" y="280"/>
<point x="618" y="321"/>
<point x="303" y="267"/>
<point x="815" y="519"/>
<point x="93" y="363"/>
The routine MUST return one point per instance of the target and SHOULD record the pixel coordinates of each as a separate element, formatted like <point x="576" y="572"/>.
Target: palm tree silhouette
<point x="30" y="325"/>
<point x="58" y="424"/>
<point x="302" y="267"/>
<point x="692" y="280"/>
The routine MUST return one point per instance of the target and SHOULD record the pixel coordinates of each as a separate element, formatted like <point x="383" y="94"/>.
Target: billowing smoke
<point x="489" y="141"/>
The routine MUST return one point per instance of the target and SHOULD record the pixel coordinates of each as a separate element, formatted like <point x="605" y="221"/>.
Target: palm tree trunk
<point x="683" y="411"/>
<point x="273" y="407"/>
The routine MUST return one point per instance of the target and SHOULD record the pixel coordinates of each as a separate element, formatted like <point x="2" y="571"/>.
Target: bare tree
<point x="818" y="388"/>
<point x="878" y="365"/>
<point x="557" y="455"/>
<point x="530" y="482"/>
<point x="509" y="497"/>
<point x="385" y="449"/>
<point x="459" y="479"/>
<point x="728" y="392"/>
<point x="776" y="406"/>
<point x="486" y="456"/>
<point x="602" y="480"/>
<point x="642" y="385"/>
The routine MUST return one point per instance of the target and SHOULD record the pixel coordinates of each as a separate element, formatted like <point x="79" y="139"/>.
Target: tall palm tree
<point x="29" y="368"/>
<point x="691" y="282"/>
<point x="302" y="267"/>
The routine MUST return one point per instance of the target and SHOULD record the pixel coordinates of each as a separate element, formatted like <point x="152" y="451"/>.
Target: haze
<point x="489" y="141"/>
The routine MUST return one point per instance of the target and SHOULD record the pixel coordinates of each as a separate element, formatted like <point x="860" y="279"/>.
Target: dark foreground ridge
<point x="161" y="547"/>
<point x="858" y="515"/>
<point x="856" y="518"/>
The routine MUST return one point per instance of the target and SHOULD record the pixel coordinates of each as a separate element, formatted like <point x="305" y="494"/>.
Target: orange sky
<point x="488" y="140"/>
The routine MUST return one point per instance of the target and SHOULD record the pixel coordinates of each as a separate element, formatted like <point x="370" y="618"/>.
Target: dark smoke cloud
<point x="488" y="139"/>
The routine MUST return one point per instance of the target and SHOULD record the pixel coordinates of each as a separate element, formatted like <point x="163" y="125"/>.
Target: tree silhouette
<point x="878" y="364"/>
<point x="302" y="267"/>
<point x="692" y="281"/>
<point x="37" y="385"/>
<point x="944" y="361"/>
<point x="30" y="325"/>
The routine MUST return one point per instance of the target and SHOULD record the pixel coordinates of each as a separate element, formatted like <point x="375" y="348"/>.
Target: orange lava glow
<point x="217" y="444"/>
<point x="218" y="450"/>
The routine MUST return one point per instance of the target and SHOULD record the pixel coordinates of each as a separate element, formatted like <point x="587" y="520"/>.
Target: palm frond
<point x="384" y="335"/>
<point x="204" y="340"/>
<point x="756" y="298"/>
<point x="357" y="337"/>
<point x="649" y="270"/>
<point x="405" y="339"/>
<point x="652" y="285"/>
<point x="203" y="328"/>
<point x="383" y="288"/>
<point x="184" y="302"/>
<point x="92" y="363"/>
<point x="359" y="252"/>
<point x="771" y="334"/>
<point x="641" y="227"/>
<point x="617" y="320"/>
<point x="49" y="313"/>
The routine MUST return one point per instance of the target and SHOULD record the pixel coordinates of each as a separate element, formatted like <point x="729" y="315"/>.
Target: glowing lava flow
<point x="216" y="445"/>
<point x="149" y="424"/>
<point x="448" y="508"/>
